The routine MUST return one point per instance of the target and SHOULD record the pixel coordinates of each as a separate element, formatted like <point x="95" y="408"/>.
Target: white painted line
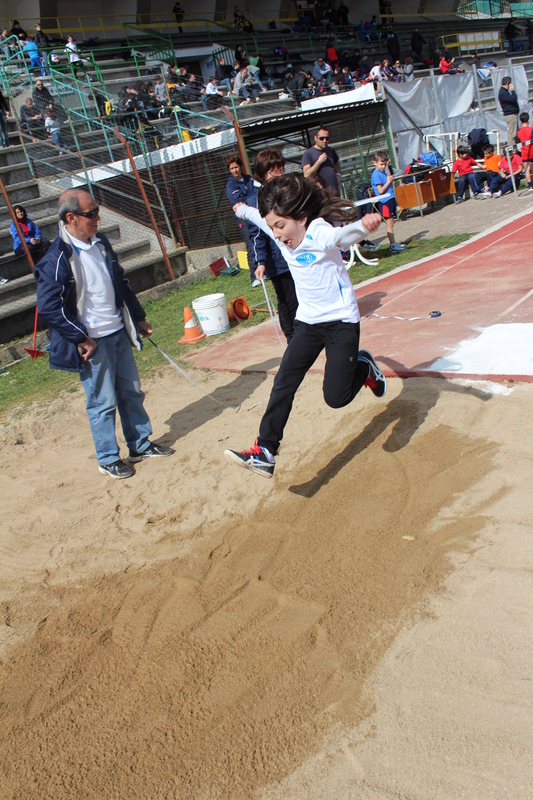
<point x="515" y="305"/>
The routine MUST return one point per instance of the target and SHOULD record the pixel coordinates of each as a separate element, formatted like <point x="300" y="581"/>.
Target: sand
<point x="358" y="627"/>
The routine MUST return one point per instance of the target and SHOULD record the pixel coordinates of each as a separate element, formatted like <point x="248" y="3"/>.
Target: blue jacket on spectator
<point x="265" y="249"/>
<point x="238" y="191"/>
<point x="508" y="102"/>
<point x="57" y="302"/>
<point x="34" y="233"/>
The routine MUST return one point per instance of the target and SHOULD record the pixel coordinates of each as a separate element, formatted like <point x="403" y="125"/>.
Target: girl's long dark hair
<point x="294" y="196"/>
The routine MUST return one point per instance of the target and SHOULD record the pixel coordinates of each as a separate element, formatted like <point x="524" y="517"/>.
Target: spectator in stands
<point x="525" y="137"/>
<point x="386" y="70"/>
<point x="297" y="86"/>
<point x="347" y="80"/>
<point x="448" y="67"/>
<point x="240" y="54"/>
<point x="223" y="74"/>
<point x="398" y="71"/>
<point x="160" y="90"/>
<point x="178" y="16"/>
<point x="464" y="166"/>
<point x="322" y="160"/>
<point x="508" y="99"/>
<point x="71" y="49"/>
<point x="331" y="54"/>
<point x="264" y="73"/>
<point x="213" y="96"/>
<point x="343" y="12"/>
<point x="393" y="46"/>
<point x="5" y="46"/>
<point x="54" y="129"/>
<point x="5" y="111"/>
<point x="417" y="45"/>
<point x="238" y="187"/>
<point x="253" y="71"/>
<point x="42" y="41"/>
<point x="322" y="71"/>
<point x="503" y="183"/>
<point x="31" y="119"/>
<point x="408" y="70"/>
<point x="244" y="86"/>
<point x="529" y="34"/>
<point x="510" y="32"/>
<point x="194" y="91"/>
<point x="31" y="233"/>
<point x="375" y="75"/>
<point x="18" y="31"/>
<point x="31" y="50"/>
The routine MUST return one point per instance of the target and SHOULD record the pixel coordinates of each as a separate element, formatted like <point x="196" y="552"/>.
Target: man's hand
<point x="260" y="272"/>
<point x="145" y="328"/>
<point x="371" y="222"/>
<point x="321" y="158"/>
<point x="86" y="348"/>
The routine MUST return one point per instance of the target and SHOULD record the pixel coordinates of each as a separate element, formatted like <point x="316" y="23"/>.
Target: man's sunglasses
<point x="92" y="214"/>
<point x="323" y="138"/>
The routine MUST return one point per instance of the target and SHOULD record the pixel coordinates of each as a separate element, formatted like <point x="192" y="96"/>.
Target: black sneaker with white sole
<point x="376" y="379"/>
<point x="118" y="469"/>
<point x="152" y="451"/>
<point x="257" y="459"/>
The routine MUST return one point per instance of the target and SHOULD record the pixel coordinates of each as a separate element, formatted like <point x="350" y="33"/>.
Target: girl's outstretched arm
<point x="252" y="215"/>
<point x="344" y="237"/>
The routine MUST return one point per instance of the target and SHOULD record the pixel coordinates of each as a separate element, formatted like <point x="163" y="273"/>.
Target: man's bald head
<point x="71" y="200"/>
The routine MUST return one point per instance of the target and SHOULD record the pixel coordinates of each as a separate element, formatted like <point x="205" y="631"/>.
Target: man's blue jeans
<point x="111" y="380"/>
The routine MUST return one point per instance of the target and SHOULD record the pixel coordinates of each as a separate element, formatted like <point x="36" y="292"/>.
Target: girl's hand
<point x="371" y="222"/>
<point x="260" y="272"/>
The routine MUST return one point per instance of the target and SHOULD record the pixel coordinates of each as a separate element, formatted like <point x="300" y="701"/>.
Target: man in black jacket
<point x="508" y="100"/>
<point x="42" y="41"/>
<point x="94" y="319"/>
<point x="41" y="97"/>
<point x="5" y="112"/>
<point x="417" y="45"/>
<point x="223" y="74"/>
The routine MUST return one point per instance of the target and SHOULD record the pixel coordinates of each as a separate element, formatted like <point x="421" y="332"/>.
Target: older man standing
<point x="321" y="159"/>
<point x="94" y="319"/>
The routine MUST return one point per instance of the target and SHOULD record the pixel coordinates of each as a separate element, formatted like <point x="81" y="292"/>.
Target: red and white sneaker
<point x="257" y="459"/>
<point x="376" y="379"/>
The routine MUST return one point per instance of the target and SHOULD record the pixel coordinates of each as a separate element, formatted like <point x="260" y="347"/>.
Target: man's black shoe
<point x="118" y="469"/>
<point x="152" y="451"/>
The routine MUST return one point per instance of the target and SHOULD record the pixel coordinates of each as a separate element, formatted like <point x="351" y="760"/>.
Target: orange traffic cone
<point x="192" y="334"/>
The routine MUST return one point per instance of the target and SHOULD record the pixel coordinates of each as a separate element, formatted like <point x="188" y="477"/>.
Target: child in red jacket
<point x="464" y="166"/>
<point x="525" y="138"/>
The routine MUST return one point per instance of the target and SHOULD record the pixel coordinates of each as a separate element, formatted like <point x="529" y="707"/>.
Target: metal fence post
<point x="123" y="139"/>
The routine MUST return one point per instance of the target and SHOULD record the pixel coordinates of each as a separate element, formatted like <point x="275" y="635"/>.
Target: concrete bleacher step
<point x="15" y="173"/>
<point x="21" y="192"/>
<point x="37" y="209"/>
<point x="17" y="314"/>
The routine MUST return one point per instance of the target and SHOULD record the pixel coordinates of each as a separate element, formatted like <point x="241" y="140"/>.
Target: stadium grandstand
<point x="119" y="101"/>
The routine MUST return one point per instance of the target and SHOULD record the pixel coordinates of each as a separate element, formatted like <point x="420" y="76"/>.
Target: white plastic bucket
<point x="212" y="313"/>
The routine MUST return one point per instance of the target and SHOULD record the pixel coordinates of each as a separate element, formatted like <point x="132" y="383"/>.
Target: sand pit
<point x="199" y="632"/>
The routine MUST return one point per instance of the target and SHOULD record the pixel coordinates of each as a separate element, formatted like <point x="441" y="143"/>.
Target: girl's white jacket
<point x="324" y="290"/>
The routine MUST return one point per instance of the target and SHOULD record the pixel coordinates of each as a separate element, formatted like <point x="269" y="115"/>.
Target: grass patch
<point x="34" y="382"/>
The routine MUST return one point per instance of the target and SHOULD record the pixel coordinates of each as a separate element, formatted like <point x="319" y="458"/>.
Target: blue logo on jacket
<point x="305" y="259"/>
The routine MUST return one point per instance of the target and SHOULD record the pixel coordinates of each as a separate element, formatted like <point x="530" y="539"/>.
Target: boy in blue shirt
<point x="384" y="191"/>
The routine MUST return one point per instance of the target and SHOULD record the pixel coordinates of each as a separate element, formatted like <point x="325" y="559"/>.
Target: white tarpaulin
<point x="360" y="95"/>
<point x="416" y="102"/>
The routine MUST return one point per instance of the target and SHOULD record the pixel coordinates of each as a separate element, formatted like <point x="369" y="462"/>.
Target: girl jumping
<point x="299" y="215"/>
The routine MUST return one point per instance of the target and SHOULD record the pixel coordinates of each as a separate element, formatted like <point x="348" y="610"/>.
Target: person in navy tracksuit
<point x="238" y="188"/>
<point x="270" y="262"/>
<point x="95" y="319"/>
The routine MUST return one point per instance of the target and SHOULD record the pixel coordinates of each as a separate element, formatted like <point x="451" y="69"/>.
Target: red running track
<point x="487" y="281"/>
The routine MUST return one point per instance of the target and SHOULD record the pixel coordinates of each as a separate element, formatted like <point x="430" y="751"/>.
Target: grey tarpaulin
<point x="456" y="94"/>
